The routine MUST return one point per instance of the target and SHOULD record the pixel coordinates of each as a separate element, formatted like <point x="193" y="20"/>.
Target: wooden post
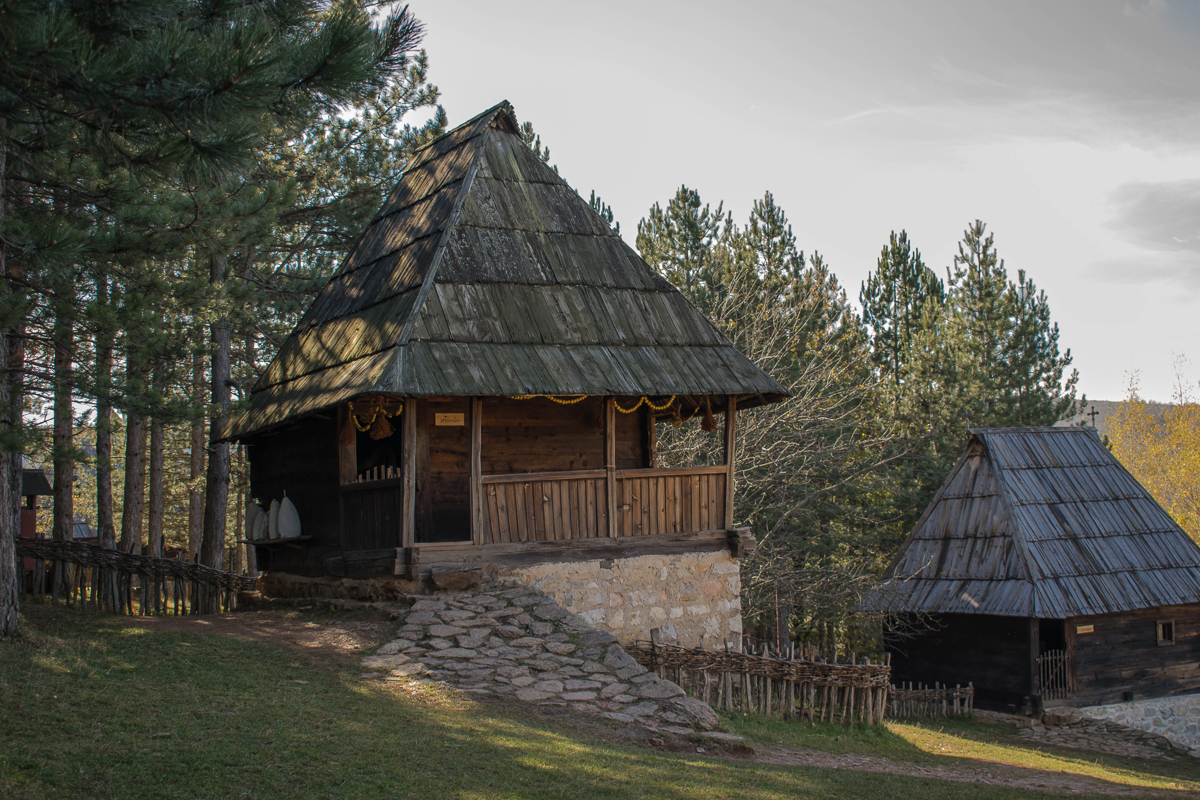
<point x="346" y="450"/>
<point x="610" y="462"/>
<point x="1034" y="644"/>
<point x="730" y="456"/>
<point x="408" y="467"/>
<point x="477" y="470"/>
<point x="651" y="440"/>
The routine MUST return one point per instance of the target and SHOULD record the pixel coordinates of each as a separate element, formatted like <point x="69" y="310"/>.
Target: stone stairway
<point x="519" y="643"/>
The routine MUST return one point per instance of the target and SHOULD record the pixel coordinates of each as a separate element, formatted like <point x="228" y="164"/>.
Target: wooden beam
<point x="610" y="462"/>
<point x="408" y="469"/>
<point x="347" y="455"/>
<point x="476" y="470"/>
<point x="730" y="457"/>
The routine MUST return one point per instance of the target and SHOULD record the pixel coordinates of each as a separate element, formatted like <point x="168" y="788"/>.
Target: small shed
<point x="480" y="382"/>
<point x="33" y="485"/>
<point x="1043" y="572"/>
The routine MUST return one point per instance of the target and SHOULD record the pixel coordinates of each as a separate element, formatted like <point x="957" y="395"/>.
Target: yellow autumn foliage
<point x="1160" y="446"/>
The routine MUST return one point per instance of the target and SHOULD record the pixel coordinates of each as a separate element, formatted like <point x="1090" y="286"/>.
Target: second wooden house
<point x="480" y="383"/>
<point x="1043" y="573"/>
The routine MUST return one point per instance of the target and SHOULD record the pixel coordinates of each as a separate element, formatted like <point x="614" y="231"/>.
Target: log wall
<point x="1122" y="655"/>
<point x="539" y="435"/>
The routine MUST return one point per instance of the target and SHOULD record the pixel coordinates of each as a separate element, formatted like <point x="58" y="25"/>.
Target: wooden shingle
<point x="1040" y="522"/>
<point x="485" y="274"/>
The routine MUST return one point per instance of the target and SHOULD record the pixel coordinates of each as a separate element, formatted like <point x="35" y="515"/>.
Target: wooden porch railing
<point x="556" y="506"/>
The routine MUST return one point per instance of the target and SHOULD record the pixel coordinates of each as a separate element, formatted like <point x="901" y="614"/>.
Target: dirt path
<point x="337" y="640"/>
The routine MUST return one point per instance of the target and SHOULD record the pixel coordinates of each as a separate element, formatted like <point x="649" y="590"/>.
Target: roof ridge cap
<point x="503" y="107"/>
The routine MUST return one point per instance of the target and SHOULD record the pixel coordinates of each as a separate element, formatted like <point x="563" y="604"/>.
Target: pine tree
<point x="111" y="116"/>
<point x="680" y="243"/>
<point x="894" y="299"/>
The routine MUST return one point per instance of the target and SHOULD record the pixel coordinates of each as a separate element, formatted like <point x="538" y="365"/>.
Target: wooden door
<point x="443" y="471"/>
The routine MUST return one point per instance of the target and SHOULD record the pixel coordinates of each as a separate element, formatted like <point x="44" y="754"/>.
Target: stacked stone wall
<point x="694" y="595"/>
<point x="1176" y="718"/>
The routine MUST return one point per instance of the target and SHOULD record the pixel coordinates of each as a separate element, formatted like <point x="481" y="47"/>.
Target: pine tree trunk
<point x="135" y="445"/>
<point x="11" y="357"/>
<point x="216" y="489"/>
<point x="155" y="513"/>
<point x="104" y="363"/>
<point x="195" y="493"/>
<point x="64" y="462"/>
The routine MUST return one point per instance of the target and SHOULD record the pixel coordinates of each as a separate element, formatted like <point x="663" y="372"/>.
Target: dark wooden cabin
<point x="522" y="353"/>
<point x="1044" y="573"/>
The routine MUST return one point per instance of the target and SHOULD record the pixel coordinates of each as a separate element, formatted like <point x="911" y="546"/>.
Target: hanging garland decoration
<point x="560" y="400"/>
<point x="644" y="401"/>
<point x="379" y="427"/>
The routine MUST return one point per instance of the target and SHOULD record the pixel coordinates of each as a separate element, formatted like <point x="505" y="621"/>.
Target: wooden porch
<point x="526" y="517"/>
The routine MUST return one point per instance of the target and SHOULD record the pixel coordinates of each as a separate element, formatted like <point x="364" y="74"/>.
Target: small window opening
<point x="1166" y="631"/>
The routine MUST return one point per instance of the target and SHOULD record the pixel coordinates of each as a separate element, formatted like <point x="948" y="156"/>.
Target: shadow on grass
<point x="964" y="744"/>
<point x="103" y="707"/>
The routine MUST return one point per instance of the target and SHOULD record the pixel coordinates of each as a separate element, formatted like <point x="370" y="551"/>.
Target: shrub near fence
<point x="795" y="684"/>
<point x="105" y="579"/>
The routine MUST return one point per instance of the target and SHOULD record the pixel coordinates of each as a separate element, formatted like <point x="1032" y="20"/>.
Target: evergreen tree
<point x="1006" y="347"/>
<point x="680" y="242"/>
<point x="605" y="211"/>
<point x="894" y="299"/>
<point x="111" y="117"/>
<point x="809" y="467"/>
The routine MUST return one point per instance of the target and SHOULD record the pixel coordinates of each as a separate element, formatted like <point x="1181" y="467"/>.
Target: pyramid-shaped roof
<point x="485" y="274"/>
<point x="1040" y="522"/>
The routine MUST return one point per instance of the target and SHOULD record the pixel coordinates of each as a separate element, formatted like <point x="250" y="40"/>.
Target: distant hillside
<point x="1104" y="411"/>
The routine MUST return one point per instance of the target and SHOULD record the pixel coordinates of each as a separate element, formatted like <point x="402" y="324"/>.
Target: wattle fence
<point x="794" y="684"/>
<point x="101" y="578"/>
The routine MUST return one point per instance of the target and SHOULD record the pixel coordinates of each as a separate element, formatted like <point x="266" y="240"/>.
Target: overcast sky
<point x="1070" y="128"/>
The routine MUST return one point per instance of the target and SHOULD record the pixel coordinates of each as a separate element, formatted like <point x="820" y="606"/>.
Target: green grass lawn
<point x="97" y="706"/>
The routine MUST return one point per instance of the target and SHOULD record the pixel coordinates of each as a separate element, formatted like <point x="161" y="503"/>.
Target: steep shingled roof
<point x="1040" y="522"/>
<point x="484" y="273"/>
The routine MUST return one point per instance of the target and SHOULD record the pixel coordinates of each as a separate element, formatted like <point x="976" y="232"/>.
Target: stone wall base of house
<point x="695" y="596"/>
<point x="1177" y="718"/>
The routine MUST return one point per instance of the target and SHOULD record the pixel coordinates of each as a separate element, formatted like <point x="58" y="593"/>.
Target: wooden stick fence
<point x="908" y="700"/>
<point x="89" y="576"/>
<point x="794" y="684"/>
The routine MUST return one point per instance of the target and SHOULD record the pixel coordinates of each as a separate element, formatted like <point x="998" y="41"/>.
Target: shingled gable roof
<point x="1040" y="522"/>
<point x="484" y="273"/>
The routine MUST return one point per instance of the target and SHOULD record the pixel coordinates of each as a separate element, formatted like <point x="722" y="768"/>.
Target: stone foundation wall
<point x="1177" y="718"/>
<point x="695" y="594"/>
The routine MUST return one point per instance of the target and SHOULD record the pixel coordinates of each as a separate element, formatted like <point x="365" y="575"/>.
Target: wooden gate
<point x="1056" y="677"/>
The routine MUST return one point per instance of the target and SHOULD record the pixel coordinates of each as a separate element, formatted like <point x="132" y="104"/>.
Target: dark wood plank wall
<point x="443" y="475"/>
<point x="371" y="515"/>
<point x="990" y="651"/>
<point x="303" y="460"/>
<point x="1122" y="655"/>
<point x="539" y="435"/>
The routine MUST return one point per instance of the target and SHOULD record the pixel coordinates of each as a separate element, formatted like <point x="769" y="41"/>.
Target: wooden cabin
<point x="480" y="382"/>
<point x="1044" y="573"/>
